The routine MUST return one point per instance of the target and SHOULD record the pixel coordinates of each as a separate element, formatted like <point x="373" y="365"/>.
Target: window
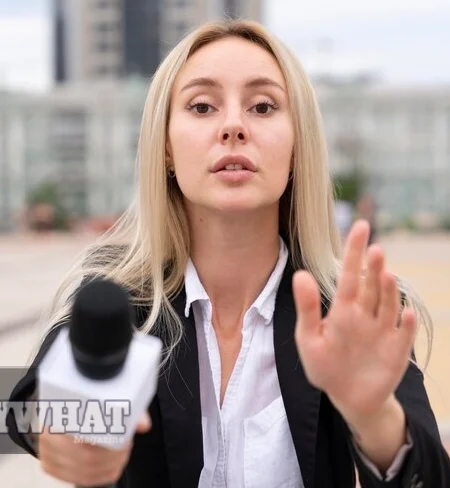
<point x="421" y="159"/>
<point x="384" y="121"/>
<point x="104" y="27"/>
<point x="102" y="70"/>
<point x="104" y="4"/>
<point x="106" y="69"/>
<point x="104" y="46"/>
<point x="231" y="8"/>
<point x="68" y="135"/>
<point x="180" y="29"/>
<point x="448" y="133"/>
<point x="68" y="122"/>
<point x="421" y="121"/>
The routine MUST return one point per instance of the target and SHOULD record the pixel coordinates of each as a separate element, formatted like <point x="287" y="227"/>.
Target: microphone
<point x="100" y="375"/>
<point x="101" y="330"/>
<point x="100" y="352"/>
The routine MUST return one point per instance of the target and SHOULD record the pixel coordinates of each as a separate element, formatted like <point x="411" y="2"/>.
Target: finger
<point x="355" y="248"/>
<point x="370" y="294"/>
<point x="406" y="332"/>
<point x="389" y="307"/>
<point x="60" y="460"/>
<point x="144" y="424"/>
<point x="49" y="455"/>
<point x="59" y="474"/>
<point x="307" y="304"/>
<point x="106" y="472"/>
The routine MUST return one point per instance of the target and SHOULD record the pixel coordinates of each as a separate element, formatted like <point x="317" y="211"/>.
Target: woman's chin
<point x="236" y="208"/>
<point x="235" y="205"/>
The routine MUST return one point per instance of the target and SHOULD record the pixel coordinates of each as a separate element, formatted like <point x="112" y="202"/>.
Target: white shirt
<point x="247" y="443"/>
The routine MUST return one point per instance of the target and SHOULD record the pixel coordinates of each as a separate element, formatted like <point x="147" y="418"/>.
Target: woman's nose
<point x="234" y="129"/>
<point x="236" y="134"/>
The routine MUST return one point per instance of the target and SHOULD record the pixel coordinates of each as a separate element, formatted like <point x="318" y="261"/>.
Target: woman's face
<point x="230" y="135"/>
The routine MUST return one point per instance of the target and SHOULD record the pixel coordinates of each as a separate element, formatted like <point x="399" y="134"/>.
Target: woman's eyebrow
<point x="252" y="83"/>
<point x="200" y="82"/>
<point x="263" y="81"/>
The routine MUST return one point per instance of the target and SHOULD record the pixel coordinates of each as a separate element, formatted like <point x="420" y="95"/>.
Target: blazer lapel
<point x="179" y="395"/>
<point x="179" y="398"/>
<point x="301" y="399"/>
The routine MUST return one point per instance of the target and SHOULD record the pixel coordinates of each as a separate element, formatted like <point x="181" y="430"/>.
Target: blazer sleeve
<point x="25" y="389"/>
<point x="427" y="462"/>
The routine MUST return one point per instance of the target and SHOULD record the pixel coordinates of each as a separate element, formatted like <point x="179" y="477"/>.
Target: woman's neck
<point x="234" y="257"/>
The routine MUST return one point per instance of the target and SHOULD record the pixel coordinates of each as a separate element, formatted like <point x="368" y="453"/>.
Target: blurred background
<point x="73" y="79"/>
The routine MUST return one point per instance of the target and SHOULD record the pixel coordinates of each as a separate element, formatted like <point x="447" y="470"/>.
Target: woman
<point x="282" y="367"/>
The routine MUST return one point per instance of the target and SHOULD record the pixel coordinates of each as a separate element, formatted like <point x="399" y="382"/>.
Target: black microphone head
<point x="100" y="329"/>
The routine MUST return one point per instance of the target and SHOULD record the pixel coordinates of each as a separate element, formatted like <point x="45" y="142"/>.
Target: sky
<point x="401" y="41"/>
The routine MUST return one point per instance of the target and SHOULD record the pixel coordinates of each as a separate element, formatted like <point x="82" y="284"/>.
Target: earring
<point x="171" y="172"/>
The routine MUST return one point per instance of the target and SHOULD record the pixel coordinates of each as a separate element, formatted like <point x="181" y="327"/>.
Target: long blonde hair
<point x="148" y="248"/>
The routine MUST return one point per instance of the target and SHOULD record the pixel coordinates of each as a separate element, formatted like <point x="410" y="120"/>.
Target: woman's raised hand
<point x="359" y="352"/>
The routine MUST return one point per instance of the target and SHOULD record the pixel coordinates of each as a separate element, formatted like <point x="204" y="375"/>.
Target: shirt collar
<point x="193" y="286"/>
<point x="265" y="302"/>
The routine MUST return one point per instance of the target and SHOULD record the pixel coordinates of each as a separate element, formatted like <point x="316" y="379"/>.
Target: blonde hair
<point x="147" y="249"/>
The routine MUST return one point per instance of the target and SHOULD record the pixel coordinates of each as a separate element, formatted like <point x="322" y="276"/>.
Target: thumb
<point x="144" y="424"/>
<point x="307" y="304"/>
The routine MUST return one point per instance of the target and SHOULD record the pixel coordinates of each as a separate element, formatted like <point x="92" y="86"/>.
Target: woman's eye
<point x="264" y="108"/>
<point x="200" y="108"/>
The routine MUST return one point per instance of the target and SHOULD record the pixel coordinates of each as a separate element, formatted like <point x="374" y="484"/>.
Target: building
<point x="112" y="39"/>
<point x="398" y="139"/>
<point x="89" y="40"/>
<point x="85" y="141"/>
<point x="181" y="16"/>
<point x="141" y="36"/>
<point x="82" y="140"/>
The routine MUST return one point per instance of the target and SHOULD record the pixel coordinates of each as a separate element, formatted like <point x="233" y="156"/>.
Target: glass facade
<point x="141" y="24"/>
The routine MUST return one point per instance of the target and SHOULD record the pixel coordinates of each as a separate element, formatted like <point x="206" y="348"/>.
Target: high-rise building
<point x="105" y="39"/>
<point x="88" y="40"/>
<point x="141" y="37"/>
<point x="181" y="16"/>
<point x="59" y="52"/>
<point x="111" y="39"/>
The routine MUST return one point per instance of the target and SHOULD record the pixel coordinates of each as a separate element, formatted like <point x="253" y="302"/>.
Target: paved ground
<point x="425" y="263"/>
<point x="30" y="269"/>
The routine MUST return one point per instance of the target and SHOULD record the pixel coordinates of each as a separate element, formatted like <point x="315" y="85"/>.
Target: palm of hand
<point x="357" y="354"/>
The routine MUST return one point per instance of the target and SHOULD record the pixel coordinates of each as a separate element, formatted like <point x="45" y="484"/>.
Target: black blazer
<point x="171" y="454"/>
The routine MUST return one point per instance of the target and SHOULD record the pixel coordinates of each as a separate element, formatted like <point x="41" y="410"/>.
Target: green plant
<point x="348" y="187"/>
<point x="48" y="193"/>
<point x="409" y="223"/>
<point x="444" y="222"/>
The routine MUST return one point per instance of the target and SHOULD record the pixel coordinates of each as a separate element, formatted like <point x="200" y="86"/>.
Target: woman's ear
<point x="168" y="152"/>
